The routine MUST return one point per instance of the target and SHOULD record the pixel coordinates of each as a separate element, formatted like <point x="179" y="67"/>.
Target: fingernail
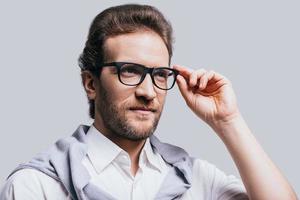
<point x="201" y="85"/>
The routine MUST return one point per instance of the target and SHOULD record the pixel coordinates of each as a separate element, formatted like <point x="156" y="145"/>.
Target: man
<point x="126" y="73"/>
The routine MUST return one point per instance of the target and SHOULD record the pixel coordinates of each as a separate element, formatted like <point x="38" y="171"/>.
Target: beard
<point x="115" y="120"/>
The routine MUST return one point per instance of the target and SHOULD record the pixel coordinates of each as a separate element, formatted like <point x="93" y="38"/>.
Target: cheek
<point x="121" y="97"/>
<point x="117" y="92"/>
<point x="161" y="97"/>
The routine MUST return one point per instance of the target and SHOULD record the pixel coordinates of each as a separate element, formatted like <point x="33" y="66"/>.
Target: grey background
<point x="254" y="43"/>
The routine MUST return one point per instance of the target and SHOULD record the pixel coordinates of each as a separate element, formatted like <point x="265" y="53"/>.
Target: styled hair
<point x="118" y="20"/>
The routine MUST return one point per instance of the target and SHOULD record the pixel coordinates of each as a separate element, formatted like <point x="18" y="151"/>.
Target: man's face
<point x="120" y="108"/>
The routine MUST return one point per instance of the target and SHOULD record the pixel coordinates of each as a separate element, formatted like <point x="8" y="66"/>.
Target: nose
<point x="146" y="89"/>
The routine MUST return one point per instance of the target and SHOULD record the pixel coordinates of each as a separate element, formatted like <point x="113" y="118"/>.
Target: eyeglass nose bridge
<point x="147" y="70"/>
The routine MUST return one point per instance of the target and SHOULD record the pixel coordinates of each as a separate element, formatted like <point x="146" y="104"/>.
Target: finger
<point x="205" y="78"/>
<point x="183" y="86"/>
<point x="215" y="81"/>
<point x="184" y="71"/>
<point x="218" y="76"/>
<point x="195" y="76"/>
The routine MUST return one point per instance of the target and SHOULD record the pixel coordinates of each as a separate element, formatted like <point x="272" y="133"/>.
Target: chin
<point x="142" y="126"/>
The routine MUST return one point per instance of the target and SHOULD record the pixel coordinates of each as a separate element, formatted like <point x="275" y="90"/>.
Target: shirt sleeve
<point x="30" y="184"/>
<point x="216" y="184"/>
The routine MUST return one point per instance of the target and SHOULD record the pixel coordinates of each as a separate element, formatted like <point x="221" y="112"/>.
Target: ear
<point x="89" y="84"/>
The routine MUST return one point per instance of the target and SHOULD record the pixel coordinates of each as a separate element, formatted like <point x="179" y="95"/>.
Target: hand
<point x="209" y="94"/>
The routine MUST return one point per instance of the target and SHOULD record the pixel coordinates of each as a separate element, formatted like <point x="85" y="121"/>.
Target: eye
<point x="162" y="73"/>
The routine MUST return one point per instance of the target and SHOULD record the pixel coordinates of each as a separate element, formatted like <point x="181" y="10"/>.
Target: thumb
<point x="183" y="87"/>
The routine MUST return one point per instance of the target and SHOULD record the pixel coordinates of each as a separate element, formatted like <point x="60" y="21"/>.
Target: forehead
<point x="143" y="47"/>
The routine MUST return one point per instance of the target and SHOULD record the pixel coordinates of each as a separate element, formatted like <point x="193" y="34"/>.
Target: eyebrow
<point x="137" y="63"/>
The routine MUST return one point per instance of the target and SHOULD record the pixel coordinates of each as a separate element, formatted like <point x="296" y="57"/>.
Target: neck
<point x="133" y="148"/>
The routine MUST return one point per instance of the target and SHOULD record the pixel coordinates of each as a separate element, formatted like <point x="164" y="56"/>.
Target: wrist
<point x="229" y="125"/>
<point x="225" y="121"/>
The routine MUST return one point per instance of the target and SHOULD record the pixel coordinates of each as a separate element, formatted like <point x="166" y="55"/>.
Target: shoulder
<point x="32" y="184"/>
<point x="204" y="173"/>
<point x="208" y="170"/>
<point x="213" y="183"/>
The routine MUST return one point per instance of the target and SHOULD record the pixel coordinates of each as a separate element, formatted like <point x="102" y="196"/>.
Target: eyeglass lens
<point x="131" y="74"/>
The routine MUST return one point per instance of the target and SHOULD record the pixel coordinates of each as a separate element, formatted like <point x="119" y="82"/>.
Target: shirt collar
<point x="101" y="150"/>
<point x="98" y="143"/>
<point x="151" y="156"/>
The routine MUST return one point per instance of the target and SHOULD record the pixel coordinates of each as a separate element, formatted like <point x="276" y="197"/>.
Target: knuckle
<point x="200" y="70"/>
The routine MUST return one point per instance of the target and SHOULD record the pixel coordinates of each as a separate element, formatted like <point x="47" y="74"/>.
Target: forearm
<point x="262" y="179"/>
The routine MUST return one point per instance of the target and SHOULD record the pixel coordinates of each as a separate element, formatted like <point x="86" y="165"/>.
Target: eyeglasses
<point x="133" y="74"/>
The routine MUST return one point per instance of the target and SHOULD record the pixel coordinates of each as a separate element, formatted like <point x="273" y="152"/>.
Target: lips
<point x="142" y="109"/>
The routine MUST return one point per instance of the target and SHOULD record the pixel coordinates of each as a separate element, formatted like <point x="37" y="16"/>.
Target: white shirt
<point x="109" y="167"/>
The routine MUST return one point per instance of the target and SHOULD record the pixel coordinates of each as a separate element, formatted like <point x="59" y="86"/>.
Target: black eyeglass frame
<point x="146" y="70"/>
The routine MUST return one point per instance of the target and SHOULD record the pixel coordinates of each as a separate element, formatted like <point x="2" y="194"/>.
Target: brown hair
<point x="117" y="20"/>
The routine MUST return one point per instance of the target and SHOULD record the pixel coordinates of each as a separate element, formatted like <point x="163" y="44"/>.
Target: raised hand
<point x="209" y="94"/>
